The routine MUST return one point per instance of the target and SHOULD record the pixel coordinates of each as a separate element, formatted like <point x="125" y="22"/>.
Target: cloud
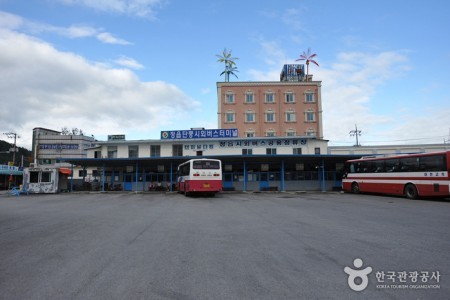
<point x="44" y="87"/>
<point x="10" y="21"/>
<point x="128" y="63"/>
<point x="139" y="8"/>
<point x="350" y="87"/>
<point x="108" y="38"/>
<point x="292" y="18"/>
<point x="206" y="91"/>
<point x="14" y="22"/>
<point x="348" y="91"/>
<point x="78" y="31"/>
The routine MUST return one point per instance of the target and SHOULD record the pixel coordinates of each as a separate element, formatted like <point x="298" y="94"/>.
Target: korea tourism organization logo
<point x="355" y="274"/>
<point x="358" y="278"/>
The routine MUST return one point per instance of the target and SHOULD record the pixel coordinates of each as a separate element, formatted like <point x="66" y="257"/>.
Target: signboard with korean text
<point x="262" y="143"/>
<point x="9" y="168"/>
<point x="58" y="146"/>
<point x="242" y="143"/>
<point x="116" y="137"/>
<point x="199" y="134"/>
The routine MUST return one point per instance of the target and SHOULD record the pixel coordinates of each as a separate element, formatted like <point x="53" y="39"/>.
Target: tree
<point x="309" y="58"/>
<point x="230" y="64"/>
<point x="65" y="131"/>
<point x="74" y="131"/>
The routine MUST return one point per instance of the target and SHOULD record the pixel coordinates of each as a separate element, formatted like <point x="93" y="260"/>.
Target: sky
<point x="138" y="67"/>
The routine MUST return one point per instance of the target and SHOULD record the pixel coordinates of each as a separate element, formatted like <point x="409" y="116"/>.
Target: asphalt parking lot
<point x="233" y="246"/>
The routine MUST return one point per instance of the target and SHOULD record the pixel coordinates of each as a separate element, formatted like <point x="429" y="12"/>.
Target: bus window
<point x="378" y="166"/>
<point x="433" y="163"/>
<point x="409" y="164"/>
<point x="392" y="165"/>
<point x="205" y="164"/>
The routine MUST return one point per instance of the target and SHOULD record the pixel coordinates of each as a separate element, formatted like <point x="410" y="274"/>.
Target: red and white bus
<point x="411" y="175"/>
<point x="200" y="176"/>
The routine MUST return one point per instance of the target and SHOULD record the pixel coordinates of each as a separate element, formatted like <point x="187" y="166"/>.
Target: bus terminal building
<point x="289" y="163"/>
<point x="269" y="137"/>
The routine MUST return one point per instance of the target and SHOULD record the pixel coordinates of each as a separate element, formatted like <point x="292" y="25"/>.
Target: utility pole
<point x="447" y="141"/>
<point x="14" y="150"/>
<point x="356" y="133"/>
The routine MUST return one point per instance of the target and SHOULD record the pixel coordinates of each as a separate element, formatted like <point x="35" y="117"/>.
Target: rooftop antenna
<point x="308" y="57"/>
<point x="230" y="64"/>
<point x="356" y="133"/>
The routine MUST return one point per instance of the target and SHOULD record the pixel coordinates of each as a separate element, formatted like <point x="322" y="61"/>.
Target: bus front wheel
<point x="411" y="191"/>
<point x="355" y="188"/>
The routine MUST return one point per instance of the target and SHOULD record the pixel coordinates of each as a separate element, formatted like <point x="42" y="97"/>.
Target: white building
<point x="249" y="164"/>
<point x="50" y="147"/>
<point x="387" y="149"/>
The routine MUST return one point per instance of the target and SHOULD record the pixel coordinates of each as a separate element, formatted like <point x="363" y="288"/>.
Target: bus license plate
<point x="206" y="185"/>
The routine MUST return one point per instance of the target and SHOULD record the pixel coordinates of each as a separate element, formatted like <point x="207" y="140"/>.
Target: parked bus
<point x="412" y="175"/>
<point x="200" y="176"/>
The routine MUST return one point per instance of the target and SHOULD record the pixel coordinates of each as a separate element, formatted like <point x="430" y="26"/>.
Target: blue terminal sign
<point x="199" y="134"/>
<point x="58" y="146"/>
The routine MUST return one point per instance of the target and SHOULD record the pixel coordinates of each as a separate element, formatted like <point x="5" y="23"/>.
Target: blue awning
<point x="11" y="172"/>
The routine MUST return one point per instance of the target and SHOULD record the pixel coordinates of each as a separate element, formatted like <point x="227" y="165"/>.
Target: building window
<point x="270" y="132"/>
<point x="155" y="150"/>
<point x="46" y="177"/>
<point x="250" y="117"/>
<point x="297" y="151"/>
<point x="269" y="97"/>
<point x="133" y="151"/>
<point x="250" y="133"/>
<point x="45" y="162"/>
<point x="290" y="116"/>
<point x="309" y="97"/>
<point x="82" y="173"/>
<point x="270" y="116"/>
<point x="34" y="177"/>
<point x="317" y="151"/>
<point x="310" y="132"/>
<point x="177" y="150"/>
<point x="112" y="151"/>
<point x="247" y="151"/>
<point x="290" y="132"/>
<point x="229" y="117"/>
<point x="249" y="98"/>
<point x="271" y="151"/>
<point x="289" y="97"/>
<point x="229" y="98"/>
<point x="310" y="116"/>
